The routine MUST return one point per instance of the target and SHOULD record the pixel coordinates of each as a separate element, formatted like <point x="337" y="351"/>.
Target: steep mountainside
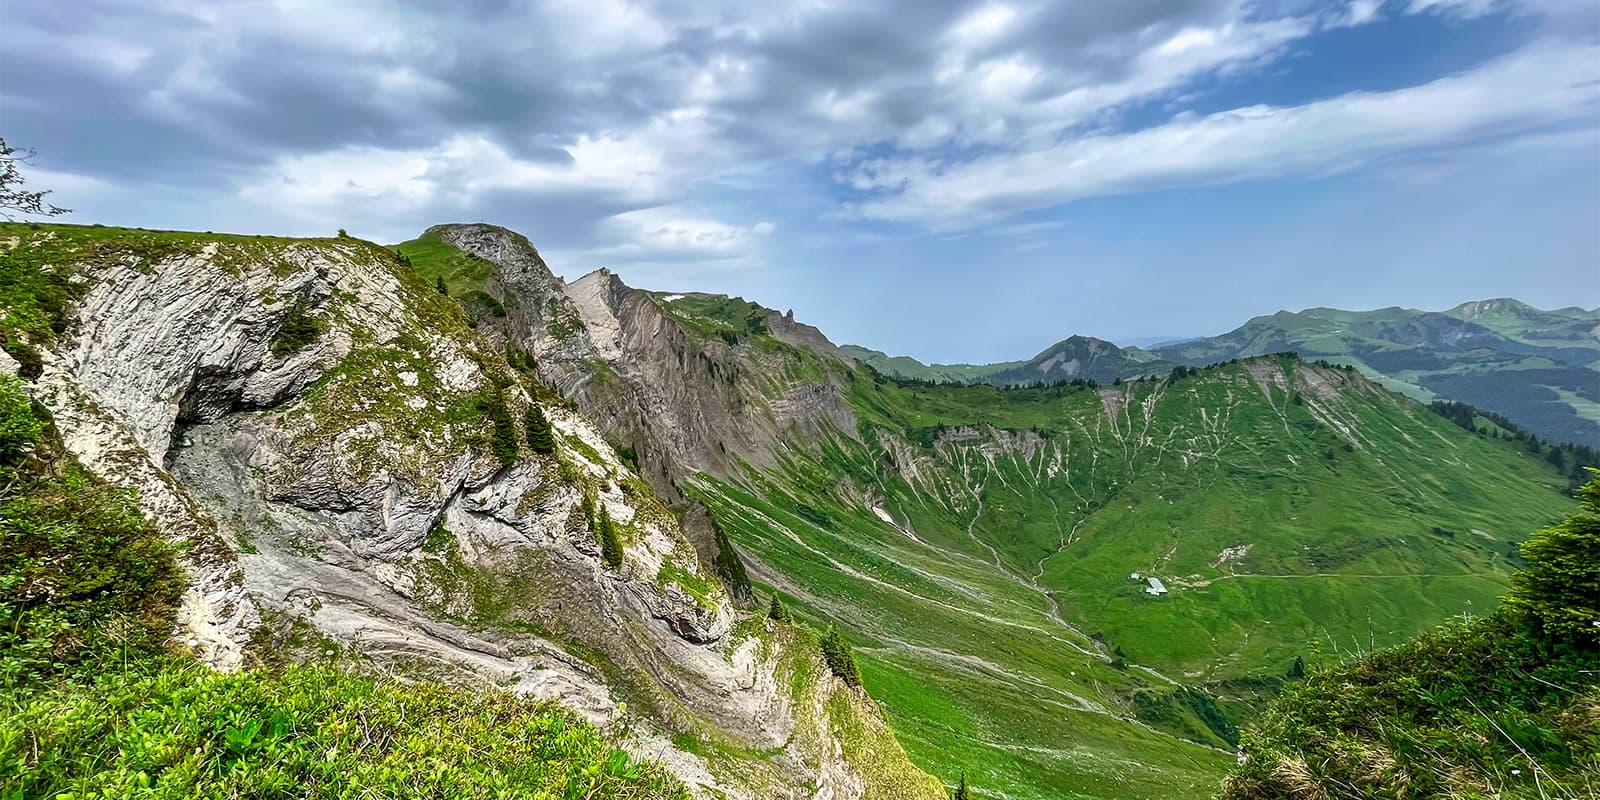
<point x="664" y="375"/>
<point x="1288" y="508"/>
<point x="344" y="451"/>
<point x="977" y="543"/>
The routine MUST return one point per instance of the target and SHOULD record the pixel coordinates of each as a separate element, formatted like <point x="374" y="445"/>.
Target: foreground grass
<point x="1474" y="710"/>
<point x="1501" y="707"/>
<point x="181" y="731"/>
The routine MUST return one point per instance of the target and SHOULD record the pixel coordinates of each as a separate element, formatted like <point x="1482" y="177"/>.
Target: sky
<point x="957" y="180"/>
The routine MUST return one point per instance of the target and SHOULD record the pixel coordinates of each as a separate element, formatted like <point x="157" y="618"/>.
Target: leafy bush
<point x="308" y="732"/>
<point x="81" y="574"/>
<point x="20" y="427"/>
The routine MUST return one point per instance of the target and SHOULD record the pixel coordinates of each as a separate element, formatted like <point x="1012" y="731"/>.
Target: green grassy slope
<point x="977" y="544"/>
<point x="462" y="275"/>
<point x="1292" y="509"/>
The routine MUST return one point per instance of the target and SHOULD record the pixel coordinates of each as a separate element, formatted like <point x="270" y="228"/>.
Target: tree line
<point x="1569" y="458"/>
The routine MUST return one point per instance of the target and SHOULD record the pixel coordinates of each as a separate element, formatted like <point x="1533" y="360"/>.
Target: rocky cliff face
<point x="686" y="393"/>
<point x="345" y="454"/>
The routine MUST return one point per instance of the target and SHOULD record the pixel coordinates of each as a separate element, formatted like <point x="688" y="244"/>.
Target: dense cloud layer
<point x="607" y="124"/>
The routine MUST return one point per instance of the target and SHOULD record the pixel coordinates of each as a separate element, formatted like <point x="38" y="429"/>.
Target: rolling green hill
<point x="911" y="369"/>
<point x="1072" y="358"/>
<point x="1536" y="367"/>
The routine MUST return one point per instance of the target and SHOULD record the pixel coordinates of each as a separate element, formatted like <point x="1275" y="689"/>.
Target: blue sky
<point x="959" y="180"/>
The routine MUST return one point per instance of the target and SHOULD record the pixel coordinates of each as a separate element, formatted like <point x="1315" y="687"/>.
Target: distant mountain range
<point x="1538" y="367"/>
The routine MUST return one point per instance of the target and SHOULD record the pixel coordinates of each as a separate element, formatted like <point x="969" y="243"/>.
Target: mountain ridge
<point x="1538" y="367"/>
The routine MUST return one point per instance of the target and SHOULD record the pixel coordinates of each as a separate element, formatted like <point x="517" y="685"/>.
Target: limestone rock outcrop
<point x="343" y="452"/>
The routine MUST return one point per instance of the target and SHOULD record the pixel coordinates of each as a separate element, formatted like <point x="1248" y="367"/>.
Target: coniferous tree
<point x="438" y="283"/>
<point x="504" y="441"/>
<point x="586" y="508"/>
<point x="541" y="439"/>
<point x="1298" y="669"/>
<point x="1560" y="586"/>
<point x="778" y="611"/>
<point x="610" y="544"/>
<point x="836" y="652"/>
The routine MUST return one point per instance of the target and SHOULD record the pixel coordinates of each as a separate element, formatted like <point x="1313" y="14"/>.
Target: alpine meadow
<point x="711" y="462"/>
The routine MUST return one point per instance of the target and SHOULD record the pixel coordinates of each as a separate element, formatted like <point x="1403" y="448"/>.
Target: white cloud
<point x="982" y="25"/>
<point x="1524" y="92"/>
<point x="1463" y="8"/>
<point x="606" y="120"/>
<point x="1357" y="12"/>
<point x="671" y="234"/>
<point x="634" y="170"/>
